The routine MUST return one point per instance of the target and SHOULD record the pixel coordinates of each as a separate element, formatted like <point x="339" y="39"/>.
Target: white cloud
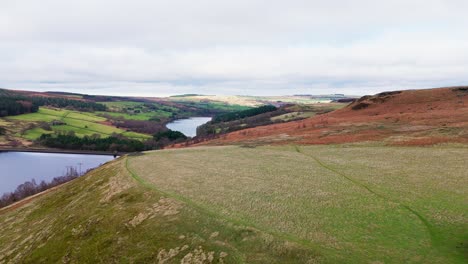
<point x="232" y="47"/>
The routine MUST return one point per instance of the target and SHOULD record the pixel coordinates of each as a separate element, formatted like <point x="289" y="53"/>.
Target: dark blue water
<point x="188" y="126"/>
<point x="18" y="167"/>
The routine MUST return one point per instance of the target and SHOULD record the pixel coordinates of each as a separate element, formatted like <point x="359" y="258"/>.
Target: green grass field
<point x="109" y="216"/>
<point x="126" y="109"/>
<point x="119" y="105"/>
<point x="82" y="123"/>
<point x="139" y="116"/>
<point x="35" y="133"/>
<point x="231" y="204"/>
<point x="352" y="204"/>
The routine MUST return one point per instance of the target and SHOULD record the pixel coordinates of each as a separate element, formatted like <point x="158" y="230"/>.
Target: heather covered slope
<point x="412" y="117"/>
<point x="277" y="204"/>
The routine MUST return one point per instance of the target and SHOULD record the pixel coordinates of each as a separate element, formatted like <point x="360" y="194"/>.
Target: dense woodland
<point x="260" y="116"/>
<point x="112" y="143"/>
<point x="13" y="106"/>
<point x="169" y="135"/>
<point x="240" y="120"/>
<point x="243" y="114"/>
<point x="67" y="103"/>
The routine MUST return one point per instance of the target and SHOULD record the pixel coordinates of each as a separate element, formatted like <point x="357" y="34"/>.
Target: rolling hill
<point x="231" y="204"/>
<point x="411" y="117"/>
<point x="283" y="193"/>
<point x="25" y="116"/>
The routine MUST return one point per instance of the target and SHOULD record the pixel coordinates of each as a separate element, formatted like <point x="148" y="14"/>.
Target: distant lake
<point x="19" y="167"/>
<point x="188" y="126"/>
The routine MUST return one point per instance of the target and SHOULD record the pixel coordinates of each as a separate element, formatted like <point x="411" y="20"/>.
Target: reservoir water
<point x="188" y="126"/>
<point x="19" y="167"/>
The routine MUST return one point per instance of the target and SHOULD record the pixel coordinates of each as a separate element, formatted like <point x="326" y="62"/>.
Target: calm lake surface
<point x="188" y="126"/>
<point x="18" y="167"/>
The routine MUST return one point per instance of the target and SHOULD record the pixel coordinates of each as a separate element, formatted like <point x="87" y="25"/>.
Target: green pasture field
<point x="348" y="204"/>
<point x="119" y="105"/>
<point x="82" y="123"/>
<point x="138" y="116"/>
<point x="109" y="215"/>
<point x="120" y="109"/>
<point x="35" y="133"/>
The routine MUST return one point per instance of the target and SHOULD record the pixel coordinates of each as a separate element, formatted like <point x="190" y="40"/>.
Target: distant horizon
<point x="200" y="94"/>
<point x="212" y="94"/>
<point x="173" y="95"/>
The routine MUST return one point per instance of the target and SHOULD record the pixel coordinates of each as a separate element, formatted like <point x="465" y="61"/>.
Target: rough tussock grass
<point x="354" y="203"/>
<point x="107" y="216"/>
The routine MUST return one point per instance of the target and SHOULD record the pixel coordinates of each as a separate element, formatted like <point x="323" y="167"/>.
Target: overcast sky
<point x="256" y="47"/>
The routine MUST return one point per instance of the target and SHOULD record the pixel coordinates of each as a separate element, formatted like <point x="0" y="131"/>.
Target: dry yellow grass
<point x="288" y="204"/>
<point x="108" y="216"/>
<point x="359" y="203"/>
<point x="228" y="99"/>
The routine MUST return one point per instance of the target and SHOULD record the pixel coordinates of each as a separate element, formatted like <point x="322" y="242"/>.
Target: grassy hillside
<point x="288" y="204"/>
<point x="138" y="110"/>
<point x="253" y="101"/>
<point x="262" y="116"/>
<point x="111" y="216"/>
<point x="134" y="117"/>
<point x="26" y="115"/>
<point x="411" y="117"/>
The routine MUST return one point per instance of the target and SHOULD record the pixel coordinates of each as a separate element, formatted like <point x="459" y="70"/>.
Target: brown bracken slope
<point x="410" y="117"/>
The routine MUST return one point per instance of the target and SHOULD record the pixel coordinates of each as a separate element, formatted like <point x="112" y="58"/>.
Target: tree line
<point x="230" y="122"/>
<point x="114" y="142"/>
<point x="12" y="106"/>
<point x="226" y="117"/>
<point x="68" y="103"/>
<point x="16" y="104"/>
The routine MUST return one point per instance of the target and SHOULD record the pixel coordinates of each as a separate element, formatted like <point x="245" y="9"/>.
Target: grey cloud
<point x="232" y="47"/>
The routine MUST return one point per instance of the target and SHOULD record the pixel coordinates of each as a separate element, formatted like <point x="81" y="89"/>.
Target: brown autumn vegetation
<point x="411" y="117"/>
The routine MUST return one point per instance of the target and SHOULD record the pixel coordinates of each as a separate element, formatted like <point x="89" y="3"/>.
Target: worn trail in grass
<point x="252" y="205"/>
<point x="216" y="215"/>
<point x="430" y="228"/>
<point x="353" y="217"/>
<point x="108" y="217"/>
